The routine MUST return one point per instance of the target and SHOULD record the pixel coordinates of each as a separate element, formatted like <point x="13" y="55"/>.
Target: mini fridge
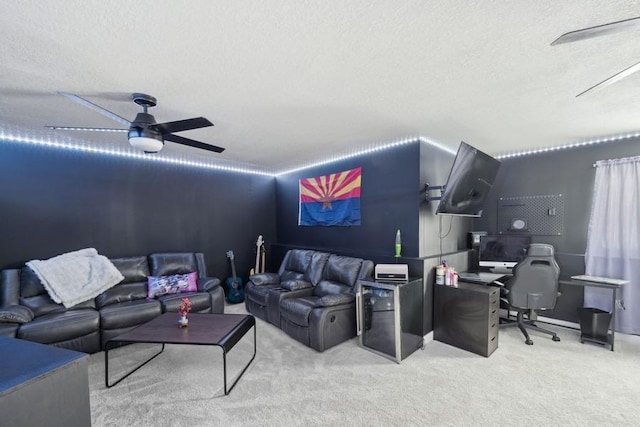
<point x="389" y="317"/>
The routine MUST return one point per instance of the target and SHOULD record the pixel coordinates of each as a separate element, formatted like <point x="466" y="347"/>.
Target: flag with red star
<point x="331" y="199"/>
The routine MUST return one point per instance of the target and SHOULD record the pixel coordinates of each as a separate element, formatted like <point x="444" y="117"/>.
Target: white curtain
<point x="613" y="248"/>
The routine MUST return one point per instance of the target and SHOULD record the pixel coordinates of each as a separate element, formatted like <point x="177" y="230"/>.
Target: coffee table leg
<point x="106" y="365"/>
<point x="224" y="365"/>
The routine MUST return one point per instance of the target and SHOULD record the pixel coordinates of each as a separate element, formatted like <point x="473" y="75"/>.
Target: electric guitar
<point x="235" y="289"/>
<point x="256" y="270"/>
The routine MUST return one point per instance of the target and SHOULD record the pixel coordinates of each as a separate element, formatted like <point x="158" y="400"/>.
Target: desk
<point x="614" y="296"/>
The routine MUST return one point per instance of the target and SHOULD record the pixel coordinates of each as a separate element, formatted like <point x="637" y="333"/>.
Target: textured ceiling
<point x="293" y="82"/>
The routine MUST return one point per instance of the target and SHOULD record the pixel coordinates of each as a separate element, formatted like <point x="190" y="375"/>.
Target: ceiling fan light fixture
<point x="146" y="140"/>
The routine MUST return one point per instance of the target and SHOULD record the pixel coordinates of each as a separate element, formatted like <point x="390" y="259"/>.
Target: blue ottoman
<point x="43" y="385"/>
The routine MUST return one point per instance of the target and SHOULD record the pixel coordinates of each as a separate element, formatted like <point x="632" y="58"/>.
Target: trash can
<point x="594" y="323"/>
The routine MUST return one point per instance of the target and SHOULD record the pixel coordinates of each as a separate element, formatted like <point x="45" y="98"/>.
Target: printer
<point x="391" y="273"/>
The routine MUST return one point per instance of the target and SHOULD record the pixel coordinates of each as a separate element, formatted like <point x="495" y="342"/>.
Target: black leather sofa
<point x="311" y="297"/>
<point x="27" y="311"/>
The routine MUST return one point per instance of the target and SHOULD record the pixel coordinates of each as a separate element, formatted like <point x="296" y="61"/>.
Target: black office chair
<point x="533" y="287"/>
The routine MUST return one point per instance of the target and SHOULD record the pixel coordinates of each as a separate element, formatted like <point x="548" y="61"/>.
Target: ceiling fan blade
<point x="616" y="77"/>
<point x="95" y="107"/>
<point x="193" y="143"/>
<point x="86" y="129"/>
<point x="181" y="125"/>
<point x="598" y="30"/>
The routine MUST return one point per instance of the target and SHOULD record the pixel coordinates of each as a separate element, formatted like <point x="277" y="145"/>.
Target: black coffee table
<point x="222" y="330"/>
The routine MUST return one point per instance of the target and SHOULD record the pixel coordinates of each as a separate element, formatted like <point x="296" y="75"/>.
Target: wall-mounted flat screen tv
<point x="470" y="180"/>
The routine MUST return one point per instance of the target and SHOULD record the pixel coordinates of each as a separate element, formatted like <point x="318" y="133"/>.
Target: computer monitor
<point x="502" y="252"/>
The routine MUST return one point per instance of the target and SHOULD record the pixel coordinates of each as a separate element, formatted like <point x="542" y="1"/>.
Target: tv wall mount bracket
<point x="429" y="188"/>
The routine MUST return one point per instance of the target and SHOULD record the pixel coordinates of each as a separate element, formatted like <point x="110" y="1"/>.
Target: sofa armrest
<point x="336" y="299"/>
<point x="294" y="285"/>
<point x="265" y="279"/>
<point x="206" y="284"/>
<point x="15" y="314"/>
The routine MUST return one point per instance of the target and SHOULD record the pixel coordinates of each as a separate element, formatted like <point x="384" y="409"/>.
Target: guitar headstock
<point x="259" y="242"/>
<point x="230" y="255"/>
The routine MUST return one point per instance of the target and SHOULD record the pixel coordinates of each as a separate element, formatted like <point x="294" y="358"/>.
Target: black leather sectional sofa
<point x="311" y="297"/>
<point x="27" y="311"/>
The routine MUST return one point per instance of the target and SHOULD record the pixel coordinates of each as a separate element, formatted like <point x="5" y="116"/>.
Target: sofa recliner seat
<point x="311" y="298"/>
<point x="88" y="326"/>
<point x="328" y="316"/>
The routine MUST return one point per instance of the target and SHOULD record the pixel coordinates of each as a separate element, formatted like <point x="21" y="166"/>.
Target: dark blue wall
<point x="54" y="201"/>
<point x="389" y="201"/>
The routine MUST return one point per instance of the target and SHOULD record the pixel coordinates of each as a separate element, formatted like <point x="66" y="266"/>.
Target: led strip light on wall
<point x="127" y="153"/>
<point x="18" y="137"/>
<point x="373" y="149"/>
<point x="572" y="145"/>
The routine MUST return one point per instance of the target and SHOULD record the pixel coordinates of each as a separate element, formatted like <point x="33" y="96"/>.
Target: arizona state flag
<point x="331" y="199"/>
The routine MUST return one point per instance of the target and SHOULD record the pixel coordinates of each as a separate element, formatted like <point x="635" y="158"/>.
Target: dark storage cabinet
<point x="467" y="316"/>
<point x="390" y="317"/>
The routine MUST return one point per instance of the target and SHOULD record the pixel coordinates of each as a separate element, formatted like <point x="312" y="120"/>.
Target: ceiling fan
<point x="601" y="30"/>
<point x="143" y="132"/>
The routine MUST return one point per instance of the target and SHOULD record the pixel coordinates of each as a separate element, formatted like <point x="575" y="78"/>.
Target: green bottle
<point x="398" y="244"/>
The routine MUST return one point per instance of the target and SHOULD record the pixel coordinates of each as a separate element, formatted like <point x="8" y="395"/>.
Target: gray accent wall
<point x="435" y="165"/>
<point x="569" y="172"/>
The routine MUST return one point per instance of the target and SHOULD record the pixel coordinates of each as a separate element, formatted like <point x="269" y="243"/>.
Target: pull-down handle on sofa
<point x="358" y="302"/>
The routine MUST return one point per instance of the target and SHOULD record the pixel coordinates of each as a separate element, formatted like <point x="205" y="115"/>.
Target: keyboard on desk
<point x="481" y="277"/>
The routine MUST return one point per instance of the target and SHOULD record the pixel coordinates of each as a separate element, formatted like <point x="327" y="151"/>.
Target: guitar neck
<point x="257" y="269"/>
<point x="233" y="270"/>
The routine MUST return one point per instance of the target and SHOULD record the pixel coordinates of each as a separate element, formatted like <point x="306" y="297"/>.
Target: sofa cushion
<point x="343" y="269"/>
<point x="294" y="285"/>
<point x="299" y="260"/>
<point x="30" y="284"/>
<point x="122" y="293"/>
<point x="336" y="299"/>
<point x="174" y="284"/>
<point x="297" y="310"/>
<point x="134" y="269"/>
<point x="330" y="287"/>
<point x="291" y="275"/>
<point x="200" y="302"/>
<point x="258" y="294"/>
<point x="8" y="329"/>
<point x="16" y="314"/>
<point x="316" y="267"/>
<point x="60" y="326"/>
<point x="41" y="305"/>
<point x="265" y="279"/>
<point x="128" y="313"/>
<point x="168" y="264"/>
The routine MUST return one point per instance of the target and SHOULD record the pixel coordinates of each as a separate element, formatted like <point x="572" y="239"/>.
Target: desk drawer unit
<point x="467" y="317"/>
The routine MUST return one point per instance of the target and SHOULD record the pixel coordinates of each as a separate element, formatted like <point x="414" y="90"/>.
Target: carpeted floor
<point x="548" y="384"/>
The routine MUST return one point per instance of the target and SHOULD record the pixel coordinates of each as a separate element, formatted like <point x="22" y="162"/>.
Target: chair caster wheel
<point x="556" y="338"/>
<point x="529" y="342"/>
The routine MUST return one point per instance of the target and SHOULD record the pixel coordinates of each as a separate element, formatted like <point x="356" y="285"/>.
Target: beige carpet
<point x="550" y="383"/>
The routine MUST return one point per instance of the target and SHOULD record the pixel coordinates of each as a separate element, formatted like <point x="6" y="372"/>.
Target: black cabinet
<point x="467" y="317"/>
<point x="390" y="317"/>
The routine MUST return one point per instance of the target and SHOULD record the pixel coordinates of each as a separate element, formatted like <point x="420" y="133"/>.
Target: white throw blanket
<point x="74" y="277"/>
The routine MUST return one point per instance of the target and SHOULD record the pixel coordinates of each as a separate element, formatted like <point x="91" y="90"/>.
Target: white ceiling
<point x="289" y="82"/>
